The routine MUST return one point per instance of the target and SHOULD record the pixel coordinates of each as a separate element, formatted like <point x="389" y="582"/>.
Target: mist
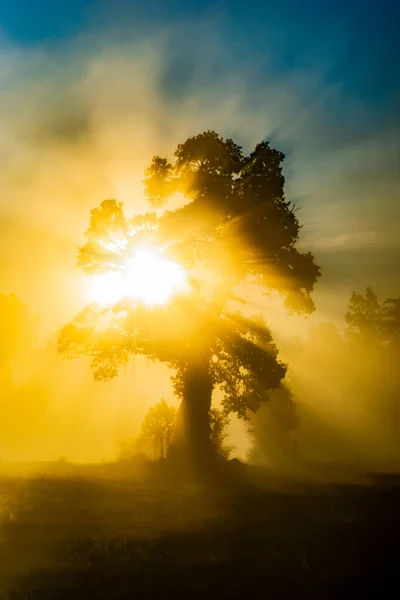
<point x="341" y="408"/>
<point x="79" y="123"/>
<point x="266" y="455"/>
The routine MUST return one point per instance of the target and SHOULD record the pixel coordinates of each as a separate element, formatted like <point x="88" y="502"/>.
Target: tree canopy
<point x="235" y="222"/>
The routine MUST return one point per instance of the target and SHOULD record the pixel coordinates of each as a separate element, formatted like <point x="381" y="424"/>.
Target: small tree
<point x="157" y="430"/>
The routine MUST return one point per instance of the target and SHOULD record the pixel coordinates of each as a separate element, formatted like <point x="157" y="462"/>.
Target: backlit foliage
<point x="237" y="225"/>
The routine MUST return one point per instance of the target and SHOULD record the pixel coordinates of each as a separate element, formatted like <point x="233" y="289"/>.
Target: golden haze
<point x="69" y="139"/>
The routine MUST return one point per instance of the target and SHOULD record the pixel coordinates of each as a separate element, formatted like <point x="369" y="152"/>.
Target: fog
<point x="342" y="406"/>
<point x="78" y="124"/>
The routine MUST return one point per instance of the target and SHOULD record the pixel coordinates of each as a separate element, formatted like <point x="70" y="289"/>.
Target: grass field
<point x="87" y="535"/>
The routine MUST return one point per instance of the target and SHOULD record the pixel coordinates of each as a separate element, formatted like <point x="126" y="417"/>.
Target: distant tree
<point x="346" y="386"/>
<point x="374" y="329"/>
<point x="237" y="224"/>
<point x="368" y="319"/>
<point x="364" y="316"/>
<point x="157" y="430"/>
<point x="391" y="319"/>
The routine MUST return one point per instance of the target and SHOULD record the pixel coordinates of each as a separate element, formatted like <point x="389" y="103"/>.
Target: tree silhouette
<point x="369" y="319"/>
<point x="157" y="429"/>
<point x="237" y="225"/>
<point x="391" y="319"/>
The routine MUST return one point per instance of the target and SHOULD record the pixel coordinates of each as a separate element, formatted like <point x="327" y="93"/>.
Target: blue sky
<point x="358" y="38"/>
<point x="319" y="78"/>
<point x="360" y="33"/>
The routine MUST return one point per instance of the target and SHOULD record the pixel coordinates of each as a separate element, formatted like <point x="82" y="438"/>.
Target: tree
<point x="391" y="319"/>
<point x="237" y="224"/>
<point x="369" y="319"/>
<point x="374" y="332"/>
<point x="157" y="429"/>
<point x="364" y="316"/>
<point x="346" y="387"/>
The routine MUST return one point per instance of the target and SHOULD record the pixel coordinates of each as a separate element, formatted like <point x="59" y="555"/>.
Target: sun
<point x="147" y="275"/>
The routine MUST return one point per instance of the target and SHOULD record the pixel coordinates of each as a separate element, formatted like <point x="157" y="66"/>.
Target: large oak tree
<point x="235" y="224"/>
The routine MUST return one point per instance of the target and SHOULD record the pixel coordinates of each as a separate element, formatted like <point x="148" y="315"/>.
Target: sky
<point x="319" y="79"/>
<point x="89" y="91"/>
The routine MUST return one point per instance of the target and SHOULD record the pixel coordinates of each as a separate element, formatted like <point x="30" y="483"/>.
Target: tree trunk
<point x="193" y="425"/>
<point x="193" y="430"/>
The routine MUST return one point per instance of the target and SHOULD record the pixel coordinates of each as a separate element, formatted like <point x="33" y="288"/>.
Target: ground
<point x="92" y="534"/>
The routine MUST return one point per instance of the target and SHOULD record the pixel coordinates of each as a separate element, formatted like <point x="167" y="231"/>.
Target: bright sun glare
<point x="147" y="276"/>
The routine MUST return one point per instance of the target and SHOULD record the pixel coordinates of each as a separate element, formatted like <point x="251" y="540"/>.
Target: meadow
<point x="96" y="532"/>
